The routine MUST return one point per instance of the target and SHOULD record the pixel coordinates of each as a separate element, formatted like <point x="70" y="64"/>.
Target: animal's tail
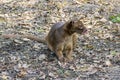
<point x="29" y="36"/>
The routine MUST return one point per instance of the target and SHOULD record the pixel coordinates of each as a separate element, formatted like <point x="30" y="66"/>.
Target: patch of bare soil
<point x="96" y="57"/>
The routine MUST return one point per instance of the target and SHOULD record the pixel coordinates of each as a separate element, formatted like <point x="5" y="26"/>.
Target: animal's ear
<point x="70" y="24"/>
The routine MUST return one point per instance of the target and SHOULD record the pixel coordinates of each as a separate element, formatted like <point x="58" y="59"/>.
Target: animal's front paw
<point x="69" y="58"/>
<point x="62" y="59"/>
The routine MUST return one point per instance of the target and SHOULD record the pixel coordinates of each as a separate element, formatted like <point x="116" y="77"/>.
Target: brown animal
<point x="61" y="38"/>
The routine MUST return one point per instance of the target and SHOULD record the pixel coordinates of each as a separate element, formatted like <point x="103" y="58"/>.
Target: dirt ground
<point x="96" y="57"/>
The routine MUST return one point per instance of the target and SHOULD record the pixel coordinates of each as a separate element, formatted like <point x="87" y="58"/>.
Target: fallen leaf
<point x="108" y="63"/>
<point x="22" y="73"/>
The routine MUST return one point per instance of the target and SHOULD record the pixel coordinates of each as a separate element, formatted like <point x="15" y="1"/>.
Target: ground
<point x="96" y="57"/>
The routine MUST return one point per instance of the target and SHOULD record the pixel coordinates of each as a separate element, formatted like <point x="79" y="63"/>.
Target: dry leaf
<point x="22" y="73"/>
<point x="108" y="63"/>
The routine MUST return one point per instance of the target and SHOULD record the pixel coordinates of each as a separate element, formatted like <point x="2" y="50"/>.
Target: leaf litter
<point x="97" y="55"/>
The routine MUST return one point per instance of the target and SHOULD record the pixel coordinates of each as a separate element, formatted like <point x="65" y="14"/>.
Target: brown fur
<point x="61" y="38"/>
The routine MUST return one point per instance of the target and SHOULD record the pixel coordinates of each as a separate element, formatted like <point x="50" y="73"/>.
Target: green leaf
<point x="60" y="71"/>
<point x="40" y="30"/>
<point x="118" y="18"/>
<point x="113" y="53"/>
<point x="115" y="19"/>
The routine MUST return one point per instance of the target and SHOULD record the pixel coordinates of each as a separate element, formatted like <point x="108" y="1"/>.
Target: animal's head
<point x="76" y="26"/>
